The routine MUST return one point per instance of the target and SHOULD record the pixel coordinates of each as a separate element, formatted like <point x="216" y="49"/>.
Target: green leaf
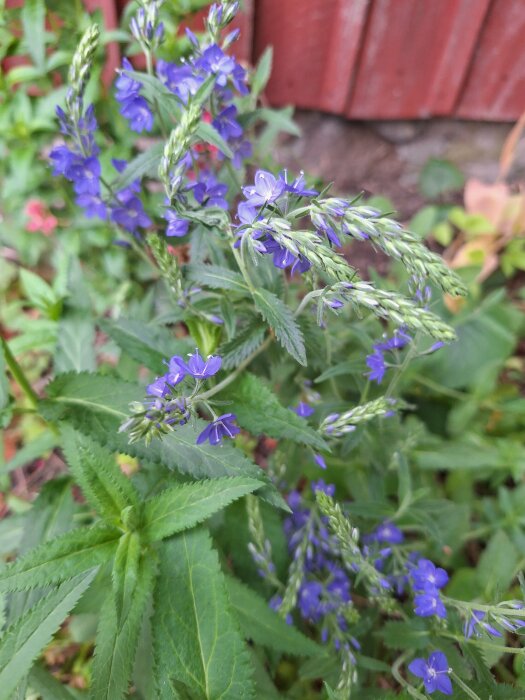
<point x="92" y="402"/>
<point x="186" y="505"/>
<point x="497" y="565"/>
<point x="98" y="475"/>
<point x="217" y="277"/>
<point x="247" y="340"/>
<point x="259" y="411"/>
<point x="33" y="19"/>
<point x="405" y="635"/>
<point x="76" y="344"/>
<point x="61" y="558"/>
<point x="146" y="163"/>
<point x="198" y="648"/>
<point x="125" y="573"/>
<point x="40" y="294"/>
<point x="178" y="450"/>
<point x="264" y="626"/>
<point x="209" y="134"/>
<point x="150" y="345"/>
<point x="262" y="73"/>
<point x="47" y="686"/>
<point x="116" y="644"/>
<point x="97" y="405"/>
<point x="440" y="176"/>
<point x="281" y="320"/>
<point x="22" y="642"/>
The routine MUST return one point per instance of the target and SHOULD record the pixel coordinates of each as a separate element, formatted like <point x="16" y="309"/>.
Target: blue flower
<point x="303" y="409"/>
<point x="476" y="621"/>
<point x="134" y="107"/>
<point x="181" y="80"/>
<point x="388" y="532"/>
<point x="309" y="600"/>
<point x="214" y="61"/>
<point x="428" y="604"/>
<point x="209" y="192"/>
<point x="220" y="428"/>
<point x="283" y="258"/>
<point x="129" y="213"/>
<point x="266" y="188"/>
<point x="320" y="485"/>
<point x="298" y="186"/>
<point x="176" y="225"/>
<point x="93" y="205"/>
<point x="226" y="124"/>
<point x="319" y="460"/>
<point x="427" y="577"/>
<point x="196" y="366"/>
<point x="85" y="174"/>
<point x="376" y="362"/>
<point x="433" y="672"/>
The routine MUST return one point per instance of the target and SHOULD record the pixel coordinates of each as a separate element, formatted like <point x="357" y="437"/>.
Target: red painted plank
<point x="495" y="88"/>
<point x="344" y="43"/>
<point x="299" y="31"/>
<point x="109" y="12"/>
<point x="414" y="58"/>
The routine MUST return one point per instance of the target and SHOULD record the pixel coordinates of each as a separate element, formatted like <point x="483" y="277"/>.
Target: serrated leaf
<point x="260" y="411"/>
<point x="92" y="400"/>
<point x="98" y="475"/>
<point x="264" y="626"/>
<point x="186" y="505"/>
<point x="405" y="635"/>
<point x="216" y="277"/>
<point x="22" y="642"/>
<point x="47" y="686"/>
<point x="40" y="294"/>
<point x="33" y="18"/>
<point x="125" y="573"/>
<point x="247" y="340"/>
<point x="150" y="345"/>
<point x="146" y="163"/>
<point x="116" y="644"/>
<point x="196" y="641"/>
<point x="178" y="450"/>
<point x="281" y="320"/>
<point x="61" y="558"/>
<point x="209" y="134"/>
<point x="97" y="405"/>
<point x="76" y="345"/>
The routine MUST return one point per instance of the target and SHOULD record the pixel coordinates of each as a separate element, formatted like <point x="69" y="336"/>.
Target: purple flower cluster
<point x="134" y="107"/>
<point x="376" y="360"/>
<point x="79" y="162"/>
<point x="200" y="369"/>
<point x="324" y="594"/>
<point x="434" y="673"/>
<point x="427" y="580"/>
<point x="269" y="190"/>
<point x="477" y="622"/>
<point x="212" y="62"/>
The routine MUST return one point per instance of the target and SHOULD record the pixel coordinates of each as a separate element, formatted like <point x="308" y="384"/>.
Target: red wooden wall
<point x="396" y="59"/>
<point x="381" y="59"/>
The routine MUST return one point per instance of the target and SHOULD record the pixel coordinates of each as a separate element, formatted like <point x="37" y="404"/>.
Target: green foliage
<point x="23" y="641"/>
<point x="439" y="177"/>
<point x="187" y="505"/>
<point x="210" y="661"/>
<point x="259" y="411"/>
<point x="280" y="319"/>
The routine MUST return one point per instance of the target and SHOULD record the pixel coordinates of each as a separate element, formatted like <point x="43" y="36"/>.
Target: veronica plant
<point x="253" y="295"/>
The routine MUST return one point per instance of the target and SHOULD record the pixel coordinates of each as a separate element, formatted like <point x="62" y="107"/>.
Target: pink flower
<point x="39" y="219"/>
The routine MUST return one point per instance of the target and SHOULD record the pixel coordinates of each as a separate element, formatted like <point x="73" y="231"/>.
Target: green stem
<point x="463" y="685"/>
<point x="481" y="644"/>
<point x="231" y="377"/>
<point x="399" y="678"/>
<point x="513" y="612"/>
<point x="19" y="375"/>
